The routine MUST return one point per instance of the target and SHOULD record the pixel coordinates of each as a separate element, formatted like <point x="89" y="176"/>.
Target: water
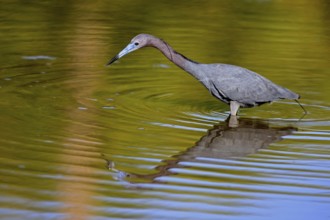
<point x="141" y="139"/>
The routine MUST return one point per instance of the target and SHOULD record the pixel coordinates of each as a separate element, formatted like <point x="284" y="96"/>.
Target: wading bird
<point x="233" y="85"/>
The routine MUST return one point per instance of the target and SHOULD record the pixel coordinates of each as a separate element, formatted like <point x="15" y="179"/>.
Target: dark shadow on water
<point x="232" y="138"/>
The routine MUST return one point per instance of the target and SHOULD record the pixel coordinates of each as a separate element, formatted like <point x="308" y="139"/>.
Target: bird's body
<point x="234" y="85"/>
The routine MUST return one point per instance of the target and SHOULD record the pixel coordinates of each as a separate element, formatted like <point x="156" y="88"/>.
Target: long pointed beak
<point x="129" y="48"/>
<point x="113" y="60"/>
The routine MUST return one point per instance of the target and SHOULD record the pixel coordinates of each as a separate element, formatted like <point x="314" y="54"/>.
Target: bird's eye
<point x="136" y="43"/>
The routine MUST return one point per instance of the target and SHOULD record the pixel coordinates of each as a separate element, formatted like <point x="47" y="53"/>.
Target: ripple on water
<point x="168" y="155"/>
<point x="38" y="57"/>
<point x="143" y="139"/>
<point x="280" y="169"/>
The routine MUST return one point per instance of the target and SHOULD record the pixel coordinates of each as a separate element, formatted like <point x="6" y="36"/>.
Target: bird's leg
<point x="233" y="121"/>
<point x="234" y="106"/>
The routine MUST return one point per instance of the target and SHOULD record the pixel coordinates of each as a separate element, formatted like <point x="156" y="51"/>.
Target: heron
<point x="233" y="85"/>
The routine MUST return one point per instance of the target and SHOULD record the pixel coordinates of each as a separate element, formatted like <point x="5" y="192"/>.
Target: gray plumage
<point x="234" y="85"/>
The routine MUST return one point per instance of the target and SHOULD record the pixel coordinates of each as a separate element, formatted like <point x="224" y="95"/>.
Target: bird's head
<point x="137" y="42"/>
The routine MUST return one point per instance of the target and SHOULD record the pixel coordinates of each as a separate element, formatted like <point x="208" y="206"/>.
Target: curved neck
<point x="175" y="57"/>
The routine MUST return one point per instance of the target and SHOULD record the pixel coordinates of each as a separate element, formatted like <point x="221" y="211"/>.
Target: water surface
<point x="142" y="139"/>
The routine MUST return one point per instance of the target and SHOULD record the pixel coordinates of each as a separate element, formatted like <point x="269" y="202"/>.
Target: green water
<point x="142" y="139"/>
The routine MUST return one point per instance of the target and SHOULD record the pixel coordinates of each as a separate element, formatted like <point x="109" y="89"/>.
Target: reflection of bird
<point x="246" y="137"/>
<point x="222" y="141"/>
<point x="234" y="85"/>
